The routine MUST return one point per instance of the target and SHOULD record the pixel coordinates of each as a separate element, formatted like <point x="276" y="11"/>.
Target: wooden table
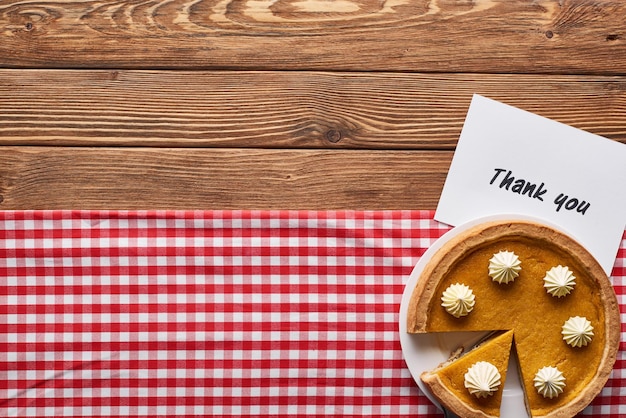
<point x="291" y="104"/>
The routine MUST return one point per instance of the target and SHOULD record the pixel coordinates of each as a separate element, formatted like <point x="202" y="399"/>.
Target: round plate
<point x="424" y="352"/>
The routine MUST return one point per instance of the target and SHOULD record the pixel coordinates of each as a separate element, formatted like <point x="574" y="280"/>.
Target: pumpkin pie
<point x="471" y="384"/>
<point x="542" y="285"/>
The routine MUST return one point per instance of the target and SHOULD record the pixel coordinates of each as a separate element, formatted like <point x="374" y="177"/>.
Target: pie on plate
<point x="542" y="286"/>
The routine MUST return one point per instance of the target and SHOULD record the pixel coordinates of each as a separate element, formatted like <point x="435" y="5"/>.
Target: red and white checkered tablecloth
<point x="216" y="313"/>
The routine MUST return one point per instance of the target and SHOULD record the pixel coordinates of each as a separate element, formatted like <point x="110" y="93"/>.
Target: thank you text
<point x="506" y="180"/>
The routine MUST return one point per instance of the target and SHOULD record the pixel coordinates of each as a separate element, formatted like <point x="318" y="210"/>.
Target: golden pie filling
<point x="525" y="306"/>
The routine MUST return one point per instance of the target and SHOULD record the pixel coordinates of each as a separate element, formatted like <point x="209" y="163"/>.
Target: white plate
<point x="426" y="351"/>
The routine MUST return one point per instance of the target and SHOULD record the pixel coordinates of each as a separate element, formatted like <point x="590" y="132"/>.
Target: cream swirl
<point x="458" y="299"/>
<point x="549" y="382"/>
<point x="504" y="267"/>
<point x="559" y="281"/>
<point x="482" y="379"/>
<point x="577" y="331"/>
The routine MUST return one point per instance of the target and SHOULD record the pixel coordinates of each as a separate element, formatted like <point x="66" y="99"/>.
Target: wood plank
<point x="546" y="36"/>
<point x="284" y="109"/>
<point x="161" y="178"/>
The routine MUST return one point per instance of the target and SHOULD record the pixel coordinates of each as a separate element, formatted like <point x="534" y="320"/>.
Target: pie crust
<point x="524" y="306"/>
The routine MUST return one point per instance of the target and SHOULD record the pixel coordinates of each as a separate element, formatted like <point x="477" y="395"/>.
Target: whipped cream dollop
<point x="458" y="299"/>
<point x="549" y="382"/>
<point x="559" y="281"/>
<point x="504" y="267"/>
<point x="577" y="331"/>
<point x="482" y="379"/>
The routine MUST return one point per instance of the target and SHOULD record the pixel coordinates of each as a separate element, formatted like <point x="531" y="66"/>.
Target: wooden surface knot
<point x="333" y="135"/>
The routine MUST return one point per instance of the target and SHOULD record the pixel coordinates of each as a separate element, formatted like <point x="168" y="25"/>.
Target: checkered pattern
<point x="220" y="313"/>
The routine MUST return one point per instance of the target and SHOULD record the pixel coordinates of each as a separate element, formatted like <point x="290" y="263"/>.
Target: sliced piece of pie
<point x="550" y="292"/>
<point x="469" y="387"/>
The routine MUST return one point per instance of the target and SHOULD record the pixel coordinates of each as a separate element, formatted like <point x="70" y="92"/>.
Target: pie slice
<point x="448" y="383"/>
<point x="555" y="282"/>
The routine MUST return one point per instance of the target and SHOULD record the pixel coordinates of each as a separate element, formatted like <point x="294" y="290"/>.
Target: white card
<point x="509" y="161"/>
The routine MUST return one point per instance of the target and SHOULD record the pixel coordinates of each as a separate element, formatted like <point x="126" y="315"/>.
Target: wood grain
<point x="161" y="178"/>
<point x="289" y="104"/>
<point x="284" y="109"/>
<point x="543" y="37"/>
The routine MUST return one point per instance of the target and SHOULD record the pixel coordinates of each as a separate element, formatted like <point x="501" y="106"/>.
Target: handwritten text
<point x="504" y="179"/>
